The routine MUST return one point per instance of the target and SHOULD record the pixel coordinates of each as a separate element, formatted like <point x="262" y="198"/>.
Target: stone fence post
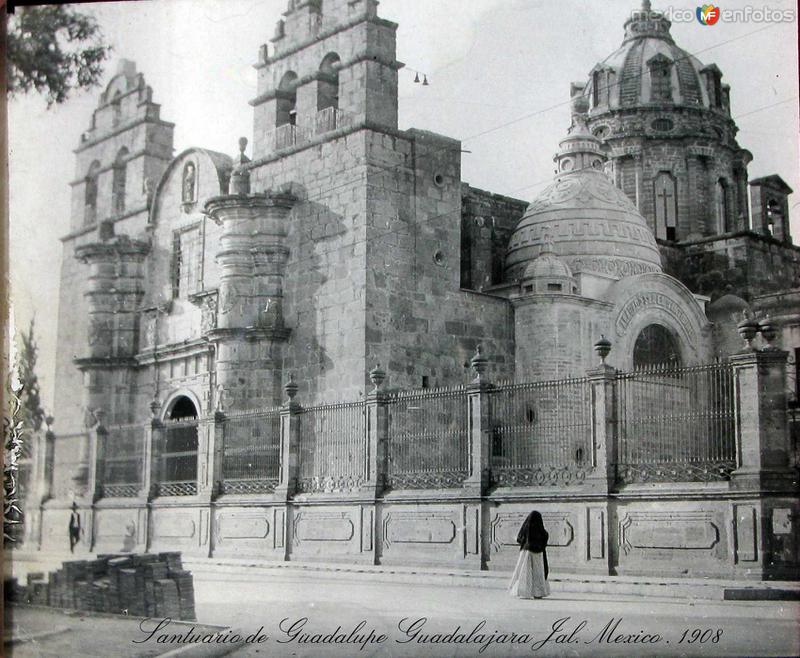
<point x="209" y="455"/>
<point x="602" y="460"/>
<point x="480" y="427"/>
<point x="150" y="460"/>
<point x="762" y="436"/>
<point x="377" y="423"/>
<point x="290" y="438"/>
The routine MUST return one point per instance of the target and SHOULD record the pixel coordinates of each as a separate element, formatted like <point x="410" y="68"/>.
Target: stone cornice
<point x="104" y="362"/>
<point x="120" y="246"/>
<point x="767" y="239"/>
<point x="93" y="227"/>
<point x="121" y="129"/>
<point x="381" y="22"/>
<point x="132" y="156"/>
<point x="248" y="334"/>
<point x="172" y="351"/>
<point x="329" y="136"/>
<point x="250" y="201"/>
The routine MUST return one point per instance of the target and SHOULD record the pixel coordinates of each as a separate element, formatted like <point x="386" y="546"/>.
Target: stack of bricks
<point x="149" y="585"/>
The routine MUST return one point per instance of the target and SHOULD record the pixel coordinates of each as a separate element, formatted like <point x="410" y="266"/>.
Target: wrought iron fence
<point x="332" y="450"/>
<point x="428" y="438"/>
<point x="541" y="432"/>
<point x="176" y="474"/>
<point x="676" y="424"/>
<point x="251" y="451"/>
<point x="121" y="475"/>
<point x="67" y="458"/>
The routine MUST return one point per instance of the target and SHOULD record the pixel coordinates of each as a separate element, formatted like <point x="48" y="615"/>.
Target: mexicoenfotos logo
<point x="708" y="14"/>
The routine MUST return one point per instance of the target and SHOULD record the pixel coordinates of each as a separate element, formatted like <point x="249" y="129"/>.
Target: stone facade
<point x="259" y="294"/>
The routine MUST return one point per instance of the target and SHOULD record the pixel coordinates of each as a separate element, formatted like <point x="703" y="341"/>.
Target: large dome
<point x="629" y="76"/>
<point x="593" y="226"/>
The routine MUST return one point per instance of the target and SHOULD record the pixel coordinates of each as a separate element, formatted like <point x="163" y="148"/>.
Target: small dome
<point x="547" y="265"/>
<point x="592" y="224"/>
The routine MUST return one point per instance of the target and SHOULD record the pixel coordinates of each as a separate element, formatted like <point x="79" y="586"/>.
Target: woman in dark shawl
<point x="530" y="575"/>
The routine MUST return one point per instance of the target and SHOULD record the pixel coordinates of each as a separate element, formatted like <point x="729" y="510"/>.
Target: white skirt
<point x="528" y="580"/>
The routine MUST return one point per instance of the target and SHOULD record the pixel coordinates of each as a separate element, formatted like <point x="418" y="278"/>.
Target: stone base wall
<point x="693" y="531"/>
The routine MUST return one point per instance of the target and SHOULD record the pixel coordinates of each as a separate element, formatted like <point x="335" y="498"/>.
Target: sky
<point x="499" y="73"/>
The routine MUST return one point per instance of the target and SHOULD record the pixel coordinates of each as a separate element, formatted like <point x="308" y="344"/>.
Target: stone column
<point x="762" y="436"/>
<point x="252" y="258"/>
<point x="290" y="436"/>
<point x="480" y="427"/>
<point x="377" y="434"/>
<point x="602" y="460"/>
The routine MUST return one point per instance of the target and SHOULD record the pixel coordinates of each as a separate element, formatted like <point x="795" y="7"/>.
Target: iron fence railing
<point x="123" y="455"/>
<point x="332" y="450"/>
<point x="176" y="474"/>
<point x="541" y="432"/>
<point x="251" y="451"/>
<point x="676" y="423"/>
<point x="428" y="438"/>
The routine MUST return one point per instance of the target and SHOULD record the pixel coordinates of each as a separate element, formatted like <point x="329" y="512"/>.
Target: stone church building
<point x="244" y="342"/>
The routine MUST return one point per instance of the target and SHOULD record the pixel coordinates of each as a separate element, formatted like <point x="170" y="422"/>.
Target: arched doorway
<point x="656" y="346"/>
<point x="177" y="468"/>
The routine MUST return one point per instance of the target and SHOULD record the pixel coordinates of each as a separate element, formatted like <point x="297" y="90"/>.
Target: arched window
<point x="723" y="223"/>
<point x="90" y="194"/>
<point x="665" y="201"/>
<point x="116" y="108"/>
<point x="596" y="88"/>
<point x="118" y="182"/>
<point x="655" y="346"/>
<point x="287" y="100"/>
<point x="660" y="69"/>
<point x="177" y="458"/>
<point x="328" y="79"/>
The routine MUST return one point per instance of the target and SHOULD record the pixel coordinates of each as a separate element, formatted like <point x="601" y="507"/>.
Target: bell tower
<point x="332" y="66"/>
<point x="119" y="160"/>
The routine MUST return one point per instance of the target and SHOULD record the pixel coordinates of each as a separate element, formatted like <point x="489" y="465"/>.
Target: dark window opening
<point x="119" y="181"/>
<point x="555" y="287"/>
<point x="656" y="346"/>
<point x="424" y="381"/>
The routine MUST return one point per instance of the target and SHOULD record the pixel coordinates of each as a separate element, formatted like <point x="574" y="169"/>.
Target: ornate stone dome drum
<point x="593" y="226"/>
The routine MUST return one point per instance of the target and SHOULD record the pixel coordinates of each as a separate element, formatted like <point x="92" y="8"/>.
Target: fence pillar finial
<point x="747" y="328"/>
<point x="377" y="376"/>
<point x="480" y="364"/>
<point x="291" y="388"/>
<point x="602" y="348"/>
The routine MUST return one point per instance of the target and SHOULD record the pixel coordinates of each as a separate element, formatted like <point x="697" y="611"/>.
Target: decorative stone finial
<point x="747" y="328"/>
<point x="646" y="6"/>
<point x="99" y="416"/>
<point x="767" y="330"/>
<point x="377" y="376"/>
<point x="155" y="406"/>
<point x="479" y="364"/>
<point x="602" y="347"/>
<point x="291" y="388"/>
<point x="240" y="176"/>
<point x="49" y="420"/>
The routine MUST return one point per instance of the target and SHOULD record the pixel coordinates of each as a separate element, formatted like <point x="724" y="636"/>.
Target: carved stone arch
<point x="175" y="397"/>
<point x="657" y="298"/>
